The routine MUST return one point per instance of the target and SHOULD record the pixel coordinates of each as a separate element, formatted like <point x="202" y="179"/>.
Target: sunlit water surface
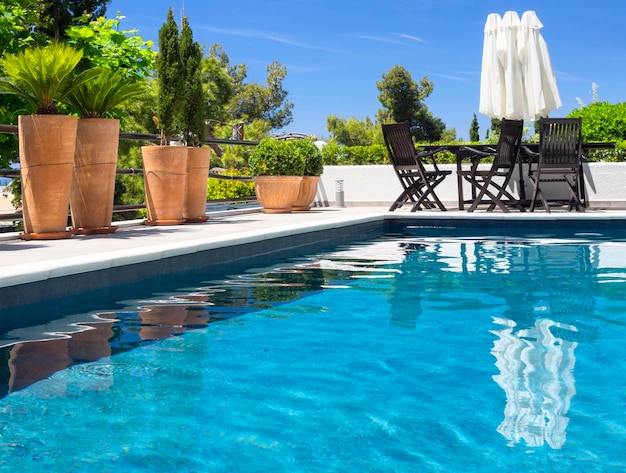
<point x="398" y="355"/>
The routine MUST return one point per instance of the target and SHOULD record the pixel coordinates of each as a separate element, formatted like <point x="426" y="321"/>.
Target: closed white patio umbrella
<point x="492" y="76"/>
<point x="542" y="94"/>
<point x="517" y="80"/>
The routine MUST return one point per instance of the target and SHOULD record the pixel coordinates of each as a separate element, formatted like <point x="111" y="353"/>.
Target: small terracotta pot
<point x="277" y="194"/>
<point x="308" y="190"/>
<point x="165" y="179"/>
<point x="198" y="159"/>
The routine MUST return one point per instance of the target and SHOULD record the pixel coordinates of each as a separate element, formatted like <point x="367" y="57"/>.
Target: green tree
<point x="255" y="101"/>
<point x="168" y="77"/>
<point x="218" y="83"/>
<point x="403" y="100"/>
<point x="16" y="20"/>
<point x="56" y="16"/>
<point x="192" y="102"/>
<point x="104" y="44"/>
<point x="474" y="135"/>
<point x="354" y="132"/>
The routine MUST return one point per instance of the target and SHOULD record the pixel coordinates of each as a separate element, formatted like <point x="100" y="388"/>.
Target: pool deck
<point x="25" y="262"/>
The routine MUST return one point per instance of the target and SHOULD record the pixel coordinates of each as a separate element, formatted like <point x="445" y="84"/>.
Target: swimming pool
<point x="427" y="351"/>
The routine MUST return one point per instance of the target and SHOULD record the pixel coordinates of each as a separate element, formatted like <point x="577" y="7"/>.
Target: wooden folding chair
<point x="505" y="156"/>
<point x="559" y="160"/>
<point x="418" y="183"/>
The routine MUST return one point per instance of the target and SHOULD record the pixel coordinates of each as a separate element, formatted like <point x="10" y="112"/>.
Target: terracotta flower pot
<point x="165" y="179"/>
<point x="308" y="190"/>
<point x="91" y="201"/>
<point x="198" y="159"/>
<point x="277" y="194"/>
<point x="47" y="144"/>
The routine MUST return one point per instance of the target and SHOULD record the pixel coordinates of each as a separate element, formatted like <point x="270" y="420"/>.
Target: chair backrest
<point x="509" y="143"/>
<point x="399" y="143"/>
<point x="560" y="142"/>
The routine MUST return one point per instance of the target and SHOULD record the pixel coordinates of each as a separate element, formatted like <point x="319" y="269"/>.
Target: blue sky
<point x="336" y="51"/>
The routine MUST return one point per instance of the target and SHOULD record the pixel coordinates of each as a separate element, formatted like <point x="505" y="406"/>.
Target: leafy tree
<point x="16" y="18"/>
<point x="105" y="45"/>
<point x="56" y="16"/>
<point x="354" y="132"/>
<point x="218" y="83"/>
<point x="473" y="133"/>
<point x="402" y="99"/>
<point x="255" y="101"/>
<point x="232" y="100"/>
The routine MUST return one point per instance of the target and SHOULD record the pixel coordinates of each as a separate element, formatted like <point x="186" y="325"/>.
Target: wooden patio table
<point x="527" y="150"/>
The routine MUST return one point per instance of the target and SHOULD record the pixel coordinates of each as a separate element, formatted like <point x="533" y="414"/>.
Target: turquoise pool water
<point x="405" y="354"/>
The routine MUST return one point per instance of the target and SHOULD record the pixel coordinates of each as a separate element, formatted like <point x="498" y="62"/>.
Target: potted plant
<point x="313" y="168"/>
<point x="165" y="167"/>
<point x="42" y="77"/>
<point x="97" y="94"/>
<point x="277" y="167"/>
<point x="192" y="123"/>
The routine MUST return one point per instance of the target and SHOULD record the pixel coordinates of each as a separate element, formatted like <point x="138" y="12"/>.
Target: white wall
<point x="374" y="185"/>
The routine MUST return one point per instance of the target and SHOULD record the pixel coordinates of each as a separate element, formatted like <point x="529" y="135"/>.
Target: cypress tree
<point x="474" y="135"/>
<point x="193" y="103"/>
<point x="168" y="78"/>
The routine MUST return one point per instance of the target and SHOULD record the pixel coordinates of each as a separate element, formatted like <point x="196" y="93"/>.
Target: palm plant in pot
<point x="277" y="168"/>
<point x="165" y="167"/>
<point x="313" y="168"/>
<point x="95" y="97"/>
<point x="193" y="126"/>
<point x="42" y="76"/>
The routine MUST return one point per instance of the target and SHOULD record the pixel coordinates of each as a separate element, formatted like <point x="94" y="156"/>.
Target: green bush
<point x="313" y="163"/>
<point x="276" y="158"/>
<point x="230" y="189"/>
<point x="340" y="155"/>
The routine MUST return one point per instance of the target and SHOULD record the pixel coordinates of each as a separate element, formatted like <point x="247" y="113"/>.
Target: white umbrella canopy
<point x="517" y="81"/>
<point x="541" y="90"/>
<point x="491" y="77"/>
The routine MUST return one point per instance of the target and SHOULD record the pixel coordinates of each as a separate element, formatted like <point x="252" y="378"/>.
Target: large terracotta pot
<point x="308" y="190"/>
<point x="95" y="163"/>
<point x="165" y="179"/>
<point x="277" y="194"/>
<point x="47" y="144"/>
<point x="198" y="159"/>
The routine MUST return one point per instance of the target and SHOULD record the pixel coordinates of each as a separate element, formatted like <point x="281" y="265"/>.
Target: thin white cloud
<point x="410" y="37"/>
<point x="451" y="77"/>
<point x="267" y="36"/>
<point x="380" y="39"/>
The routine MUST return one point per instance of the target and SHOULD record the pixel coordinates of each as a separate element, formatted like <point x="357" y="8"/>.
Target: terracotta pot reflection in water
<point x="33" y="361"/>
